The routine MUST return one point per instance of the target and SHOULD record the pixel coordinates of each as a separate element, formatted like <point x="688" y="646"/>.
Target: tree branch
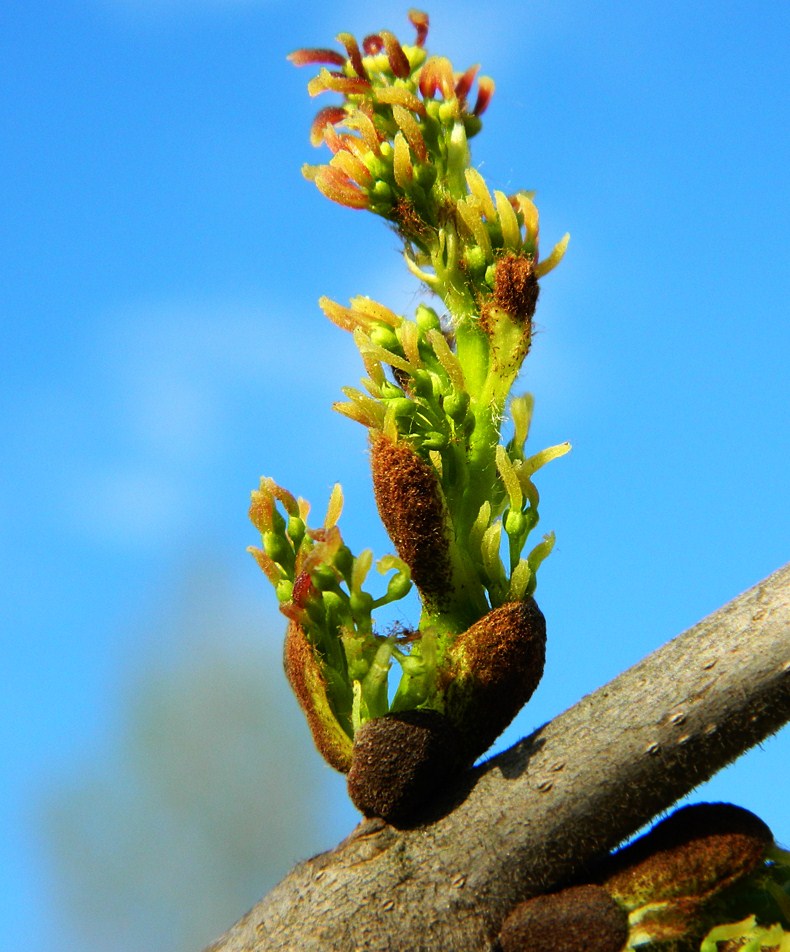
<point x="536" y="814"/>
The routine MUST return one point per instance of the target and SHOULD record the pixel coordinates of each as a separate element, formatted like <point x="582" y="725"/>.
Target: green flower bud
<point x="427" y="319"/>
<point x="456" y="404"/>
<point x="434" y="440"/>
<point x="382" y="335"/>
<point x="324" y="578"/>
<point x="398" y="586"/>
<point x="516" y="523"/>
<point x="361" y="603"/>
<point x="277" y="548"/>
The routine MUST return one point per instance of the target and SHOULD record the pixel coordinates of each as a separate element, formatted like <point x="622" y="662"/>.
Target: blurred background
<point x="160" y="263"/>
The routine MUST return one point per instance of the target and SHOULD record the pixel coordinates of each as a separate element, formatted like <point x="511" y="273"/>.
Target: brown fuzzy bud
<point x="578" y="919"/>
<point x="309" y="686"/>
<point x="411" y="506"/>
<point x="516" y="288"/>
<point x="693" y="854"/>
<point x="399" y="762"/>
<point x="667" y="877"/>
<point x="493" y="669"/>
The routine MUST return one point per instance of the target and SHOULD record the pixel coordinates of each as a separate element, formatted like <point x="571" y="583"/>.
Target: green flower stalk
<point x="457" y="500"/>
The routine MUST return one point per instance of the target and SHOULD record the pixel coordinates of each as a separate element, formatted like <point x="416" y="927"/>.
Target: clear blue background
<point x="160" y="262"/>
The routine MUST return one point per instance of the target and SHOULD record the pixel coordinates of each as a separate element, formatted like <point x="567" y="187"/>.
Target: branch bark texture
<point x="535" y="815"/>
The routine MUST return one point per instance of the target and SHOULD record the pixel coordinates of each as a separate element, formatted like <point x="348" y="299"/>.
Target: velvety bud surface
<point x="399" y="761"/>
<point x="495" y="666"/>
<point x="578" y="919"/>
<point x="696" y="852"/>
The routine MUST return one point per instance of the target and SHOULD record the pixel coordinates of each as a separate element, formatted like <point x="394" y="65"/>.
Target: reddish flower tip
<point x="352" y="48"/>
<point x="308" y="56"/>
<point x="419" y="21"/>
<point x="485" y="90"/>
<point x="372" y="44"/>
<point x="399" y="62"/>
<point x="464" y="84"/>
<point x="337" y="186"/>
<point x="329" y="116"/>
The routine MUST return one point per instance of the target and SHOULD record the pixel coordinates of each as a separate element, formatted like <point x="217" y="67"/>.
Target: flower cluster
<point x="400" y="148"/>
<point x="420" y="395"/>
<point x="319" y="582"/>
<point x="458" y="501"/>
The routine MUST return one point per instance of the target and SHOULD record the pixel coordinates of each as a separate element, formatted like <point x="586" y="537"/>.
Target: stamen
<point x="399" y="62"/>
<point x="372" y="44"/>
<point x="308" y="57"/>
<point x="529" y="213"/>
<point x="352" y="48"/>
<point x="437" y="74"/>
<point x="354" y="168"/>
<point x="411" y="130"/>
<point x="337" y="83"/>
<point x="464" y="84"/>
<point x="328" y="116"/>
<point x="379" y="312"/>
<point x="343" y="317"/>
<point x="508" y="221"/>
<point x="337" y="187"/>
<point x="485" y="90"/>
<point x="397" y="95"/>
<point x="335" y="507"/>
<point x="557" y="254"/>
<point x="470" y="213"/>
<point x="478" y="188"/>
<point x="364" y="124"/>
<point x="419" y="21"/>
<point x="401" y="162"/>
<point x="447" y="359"/>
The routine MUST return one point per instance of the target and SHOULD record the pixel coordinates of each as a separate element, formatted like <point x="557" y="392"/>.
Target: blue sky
<point x="160" y="263"/>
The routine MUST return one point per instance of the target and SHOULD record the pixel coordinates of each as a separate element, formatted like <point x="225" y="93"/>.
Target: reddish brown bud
<point x="309" y="686"/>
<point x="493" y="669"/>
<point x="516" y="287"/>
<point x="398" y="763"/>
<point x="693" y="854"/>
<point x="411" y="506"/>
<point x="578" y="919"/>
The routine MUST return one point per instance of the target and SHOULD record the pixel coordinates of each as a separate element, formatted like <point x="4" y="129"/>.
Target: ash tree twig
<point x="534" y="815"/>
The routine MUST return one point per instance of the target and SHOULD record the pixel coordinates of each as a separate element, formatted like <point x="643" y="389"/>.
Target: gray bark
<point x="533" y="816"/>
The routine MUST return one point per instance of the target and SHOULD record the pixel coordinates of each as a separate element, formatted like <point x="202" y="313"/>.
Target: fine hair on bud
<point x="493" y="669"/>
<point x="309" y="685"/>
<point x="577" y="919"/>
<point x="695" y="853"/>
<point x="412" y="508"/>
<point x="516" y="287"/>
<point x="399" y="761"/>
